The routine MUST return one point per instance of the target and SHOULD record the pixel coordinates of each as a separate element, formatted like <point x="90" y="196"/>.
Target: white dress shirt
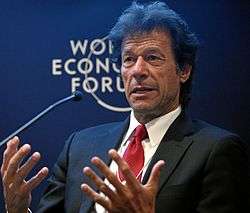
<point x="156" y="129"/>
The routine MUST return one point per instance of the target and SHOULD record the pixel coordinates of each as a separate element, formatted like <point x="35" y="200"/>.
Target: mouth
<point x="142" y="90"/>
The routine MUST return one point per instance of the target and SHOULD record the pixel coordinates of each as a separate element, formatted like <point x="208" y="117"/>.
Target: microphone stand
<point x="76" y="96"/>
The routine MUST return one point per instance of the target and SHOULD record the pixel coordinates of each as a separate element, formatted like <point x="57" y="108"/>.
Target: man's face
<point x="149" y="72"/>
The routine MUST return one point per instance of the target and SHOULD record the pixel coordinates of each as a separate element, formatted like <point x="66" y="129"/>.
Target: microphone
<point x="76" y="96"/>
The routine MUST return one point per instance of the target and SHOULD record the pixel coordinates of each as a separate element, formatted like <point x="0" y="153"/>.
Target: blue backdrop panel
<point x="50" y="48"/>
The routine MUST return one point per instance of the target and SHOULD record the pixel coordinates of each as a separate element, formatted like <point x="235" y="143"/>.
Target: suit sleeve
<point x="225" y="185"/>
<point x="54" y="195"/>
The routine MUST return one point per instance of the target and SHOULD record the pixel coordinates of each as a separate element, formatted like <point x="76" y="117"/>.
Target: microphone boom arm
<point x="75" y="96"/>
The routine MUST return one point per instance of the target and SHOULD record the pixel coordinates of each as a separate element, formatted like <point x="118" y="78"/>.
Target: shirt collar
<point x="156" y="128"/>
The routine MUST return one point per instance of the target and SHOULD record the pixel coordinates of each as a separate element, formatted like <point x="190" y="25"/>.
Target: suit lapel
<point x="172" y="147"/>
<point x="112" y="139"/>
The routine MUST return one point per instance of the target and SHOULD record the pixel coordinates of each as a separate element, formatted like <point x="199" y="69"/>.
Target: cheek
<point x="168" y="85"/>
<point x="124" y="74"/>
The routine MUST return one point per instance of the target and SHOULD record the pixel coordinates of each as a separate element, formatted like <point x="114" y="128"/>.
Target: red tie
<point x="134" y="154"/>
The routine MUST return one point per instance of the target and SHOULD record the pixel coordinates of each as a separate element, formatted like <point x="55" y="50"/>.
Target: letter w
<point x="78" y="46"/>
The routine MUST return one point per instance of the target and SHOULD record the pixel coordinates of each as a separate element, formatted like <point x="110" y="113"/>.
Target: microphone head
<point x="77" y="95"/>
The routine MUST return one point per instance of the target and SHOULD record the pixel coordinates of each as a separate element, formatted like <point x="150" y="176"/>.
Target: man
<point x="176" y="165"/>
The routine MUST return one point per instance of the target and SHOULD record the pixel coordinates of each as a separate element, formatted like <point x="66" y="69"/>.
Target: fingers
<point x="14" y="175"/>
<point x="9" y="152"/>
<point x="101" y="199"/>
<point x="101" y="185"/>
<point x="24" y="170"/>
<point x="15" y="161"/>
<point x="131" y="181"/>
<point x="129" y="197"/>
<point x="155" y="175"/>
<point x="124" y="168"/>
<point x="105" y="170"/>
<point x="96" y="197"/>
<point x="36" y="180"/>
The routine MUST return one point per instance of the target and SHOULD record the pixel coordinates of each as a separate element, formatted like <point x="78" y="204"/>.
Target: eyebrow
<point x="147" y="50"/>
<point x="127" y="52"/>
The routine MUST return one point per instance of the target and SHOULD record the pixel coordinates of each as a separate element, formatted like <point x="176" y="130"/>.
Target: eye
<point x="152" y="57"/>
<point x="128" y="61"/>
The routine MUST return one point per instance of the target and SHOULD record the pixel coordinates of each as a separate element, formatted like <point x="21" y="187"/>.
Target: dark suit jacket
<point x="205" y="170"/>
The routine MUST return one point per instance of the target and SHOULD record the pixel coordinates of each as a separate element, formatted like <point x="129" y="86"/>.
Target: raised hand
<point x="17" y="191"/>
<point x="131" y="196"/>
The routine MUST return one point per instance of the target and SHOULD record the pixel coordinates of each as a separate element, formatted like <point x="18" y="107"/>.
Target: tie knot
<point x="141" y="132"/>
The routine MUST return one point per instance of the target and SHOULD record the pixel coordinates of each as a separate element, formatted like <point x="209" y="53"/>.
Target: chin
<point x="143" y="107"/>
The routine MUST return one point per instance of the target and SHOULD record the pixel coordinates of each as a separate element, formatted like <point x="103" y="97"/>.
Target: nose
<point x="140" y="71"/>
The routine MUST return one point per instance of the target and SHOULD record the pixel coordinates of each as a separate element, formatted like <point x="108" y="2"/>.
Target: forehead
<point x="152" y="40"/>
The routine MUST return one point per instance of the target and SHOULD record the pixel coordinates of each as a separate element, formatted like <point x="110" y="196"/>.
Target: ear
<point x="185" y="72"/>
